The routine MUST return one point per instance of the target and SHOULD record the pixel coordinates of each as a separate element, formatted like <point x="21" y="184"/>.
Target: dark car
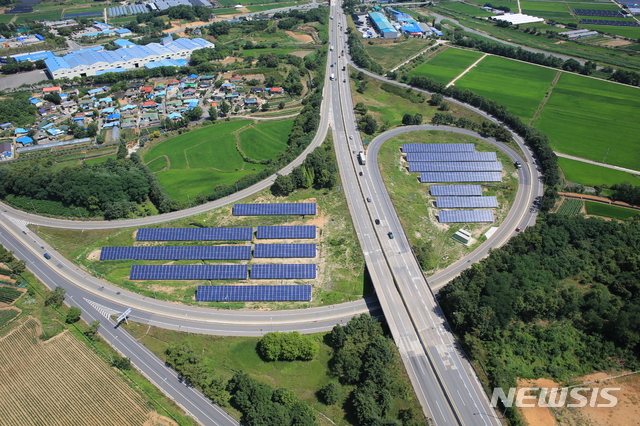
<point x="47" y="256"/>
<point x="518" y="165"/>
<point x="360" y="173"/>
<point x="390" y="234"/>
<point x="377" y="221"/>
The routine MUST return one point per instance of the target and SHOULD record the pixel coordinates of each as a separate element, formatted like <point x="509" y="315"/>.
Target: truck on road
<point x="333" y="76"/>
<point x="362" y="157"/>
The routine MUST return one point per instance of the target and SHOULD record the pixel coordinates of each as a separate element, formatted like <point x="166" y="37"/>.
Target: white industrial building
<point x="90" y="62"/>
<point x="518" y="18"/>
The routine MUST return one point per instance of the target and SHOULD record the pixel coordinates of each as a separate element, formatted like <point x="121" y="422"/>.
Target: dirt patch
<point x="617" y="42"/>
<point x="560" y="42"/>
<point x="259" y="77"/>
<point x="156" y="419"/>
<point x="94" y="255"/>
<point x="304" y="38"/>
<point x="7" y="280"/>
<point x="301" y="53"/>
<point x="230" y="60"/>
<point x="537" y="416"/>
<point x="177" y="26"/>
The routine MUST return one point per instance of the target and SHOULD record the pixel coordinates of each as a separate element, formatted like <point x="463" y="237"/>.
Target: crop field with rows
<point x="8" y="295"/>
<point x="61" y="382"/>
<point x="570" y="207"/>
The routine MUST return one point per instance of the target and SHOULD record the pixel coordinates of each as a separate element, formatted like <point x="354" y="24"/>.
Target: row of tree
<point x="278" y="346"/>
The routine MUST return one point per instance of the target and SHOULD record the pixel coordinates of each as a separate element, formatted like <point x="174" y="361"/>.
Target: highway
<point x="442" y="377"/>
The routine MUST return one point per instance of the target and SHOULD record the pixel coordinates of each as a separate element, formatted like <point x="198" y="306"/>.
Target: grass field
<point x="196" y="162"/>
<point x="7" y="315"/>
<point x="447" y="65"/>
<point x="517" y="85"/>
<point x="271" y="6"/>
<point x="606" y="210"/>
<point x="630" y="32"/>
<point x="466" y="8"/>
<point x="62" y="373"/>
<point x="586" y="117"/>
<point x="265" y="141"/>
<point x="99" y="159"/>
<point x="389" y="54"/>
<point x="414" y="203"/>
<point x="592" y="175"/>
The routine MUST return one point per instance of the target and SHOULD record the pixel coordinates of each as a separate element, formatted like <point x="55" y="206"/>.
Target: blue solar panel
<point x="438" y="147"/>
<point x="189" y="272"/>
<point x="455" y="190"/>
<point x="270" y="209"/>
<point x="452" y="156"/>
<point x="285" y="272"/>
<point x="474" y="166"/>
<point x="194" y="234"/>
<point x="437" y="177"/>
<point x="253" y="293"/>
<point x="284" y="250"/>
<point x="466" y="202"/>
<point x="176" y="253"/>
<point x="288" y="232"/>
<point x="448" y="216"/>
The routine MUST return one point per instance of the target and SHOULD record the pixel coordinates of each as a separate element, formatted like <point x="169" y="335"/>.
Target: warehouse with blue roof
<point x="129" y="56"/>
<point x="382" y="25"/>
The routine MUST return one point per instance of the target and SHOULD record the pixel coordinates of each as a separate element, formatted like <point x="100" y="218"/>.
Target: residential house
<point x="276" y="90"/>
<point x="149" y="104"/>
<point x="6" y="150"/>
<point x="113" y="117"/>
<point x="250" y="101"/>
<point x="40" y="135"/>
<point x="25" y="140"/>
<point x="146" y="90"/>
<point x="232" y="95"/>
<point x="136" y="86"/>
<point x="175" y="116"/>
<point x="236" y="80"/>
<point x="228" y="87"/>
<point x="55" y="89"/>
<point x="257" y="89"/>
<point x="20" y="132"/>
<point x="6" y="126"/>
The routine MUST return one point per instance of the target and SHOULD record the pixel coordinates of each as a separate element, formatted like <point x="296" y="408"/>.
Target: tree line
<point x="559" y="300"/>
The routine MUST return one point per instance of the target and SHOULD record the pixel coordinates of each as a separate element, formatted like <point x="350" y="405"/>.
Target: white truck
<point x="333" y="76"/>
<point x="362" y="157"/>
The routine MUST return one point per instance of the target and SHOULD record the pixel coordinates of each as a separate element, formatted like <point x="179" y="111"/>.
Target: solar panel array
<point x="592" y="12"/>
<point x="466" y="202"/>
<point x="453" y="156"/>
<point x="284" y="272"/>
<point x="189" y="272"/>
<point x="194" y="234"/>
<point x="269" y="209"/>
<point x="474" y="166"/>
<point x="438" y="147"/>
<point x="456" y="190"/>
<point x="467" y="216"/>
<point x="610" y="23"/>
<point x="286" y="232"/>
<point x="284" y="250"/>
<point x="438" y="177"/>
<point x="177" y="253"/>
<point x="253" y="293"/>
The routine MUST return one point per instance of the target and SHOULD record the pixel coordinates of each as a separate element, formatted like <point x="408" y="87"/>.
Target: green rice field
<point x="518" y="86"/>
<point x="466" y="8"/>
<point x="196" y="162"/>
<point x="606" y="210"/>
<point x="631" y="32"/>
<point x="586" y="117"/>
<point x="591" y="175"/>
<point x="447" y="65"/>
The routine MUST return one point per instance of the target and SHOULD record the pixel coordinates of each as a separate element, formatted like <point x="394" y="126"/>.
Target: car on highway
<point x="360" y="173"/>
<point x="518" y="165"/>
<point x="518" y="229"/>
<point x="369" y="199"/>
<point x="47" y="256"/>
<point x="390" y="234"/>
<point x="377" y="221"/>
<point x="350" y="137"/>
<point x="344" y="80"/>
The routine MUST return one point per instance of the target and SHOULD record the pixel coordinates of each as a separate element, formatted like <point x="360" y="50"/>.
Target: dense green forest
<point x="112" y="188"/>
<point x="560" y="300"/>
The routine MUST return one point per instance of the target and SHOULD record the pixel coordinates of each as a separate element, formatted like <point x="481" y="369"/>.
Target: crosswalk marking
<point x="22" y="224"/>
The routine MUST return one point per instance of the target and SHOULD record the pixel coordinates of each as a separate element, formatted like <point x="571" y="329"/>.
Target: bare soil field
<point x="304" y="38"/>
<point x="625" y="412"/>
<point x="62" y="382"/>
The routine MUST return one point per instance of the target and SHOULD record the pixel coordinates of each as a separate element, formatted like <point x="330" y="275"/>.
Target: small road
<point x="596" y="163"/>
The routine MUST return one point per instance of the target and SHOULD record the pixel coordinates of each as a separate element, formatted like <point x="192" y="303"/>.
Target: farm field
<point x="548" y="10"/>
<point x="606" y="210"/>
<point x="630" y="32"/>
<point x="447" y="65"/>
<point x="586" y="117"/>
<point x="592" y="175"/>
<point x="196" y="162"/>
<point x="466" y="8"/>
<point x="570" y="207"/>
<point x="64" y="383"/>
<point x="8" y="294"/>
<point x="388" y="55"/>
<point x="517" y="85"/>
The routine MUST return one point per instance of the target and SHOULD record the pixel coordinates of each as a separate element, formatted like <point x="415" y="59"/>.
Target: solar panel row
<point x="189" y="272"/>
<point x="453" y="156"/>
<point x="296" y="271"/>
<point x="449" y="216"/>
<point x="593" y="12"/>
<point x="176" y="253"/>
<point x="438" y="177"/>
<point x="466" y="202"/>
<point x="438" y="147"/>
<point x="609" y="23"/>
<point x="456" y="190"/>
<point x="286" y="232"/>
<point x="253" y="293"/>
<point x="474" y="166"/>
<point x="270" y="209"/>
<point x="284" y="250"/>
<point x="194" y="234"/>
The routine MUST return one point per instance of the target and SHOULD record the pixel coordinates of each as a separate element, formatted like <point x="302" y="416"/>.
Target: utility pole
<point x="605" y="156"/>
<point x="34" y="207"/>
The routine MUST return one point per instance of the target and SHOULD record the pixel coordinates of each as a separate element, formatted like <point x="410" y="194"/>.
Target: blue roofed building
<point x="123" y="43"/>
<point x="32" y="56"/>
<point x="123" y="32"/>
<point x="25" y="140"/>
<point x="382" y="25"/>
<point x="90" y="62"/>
